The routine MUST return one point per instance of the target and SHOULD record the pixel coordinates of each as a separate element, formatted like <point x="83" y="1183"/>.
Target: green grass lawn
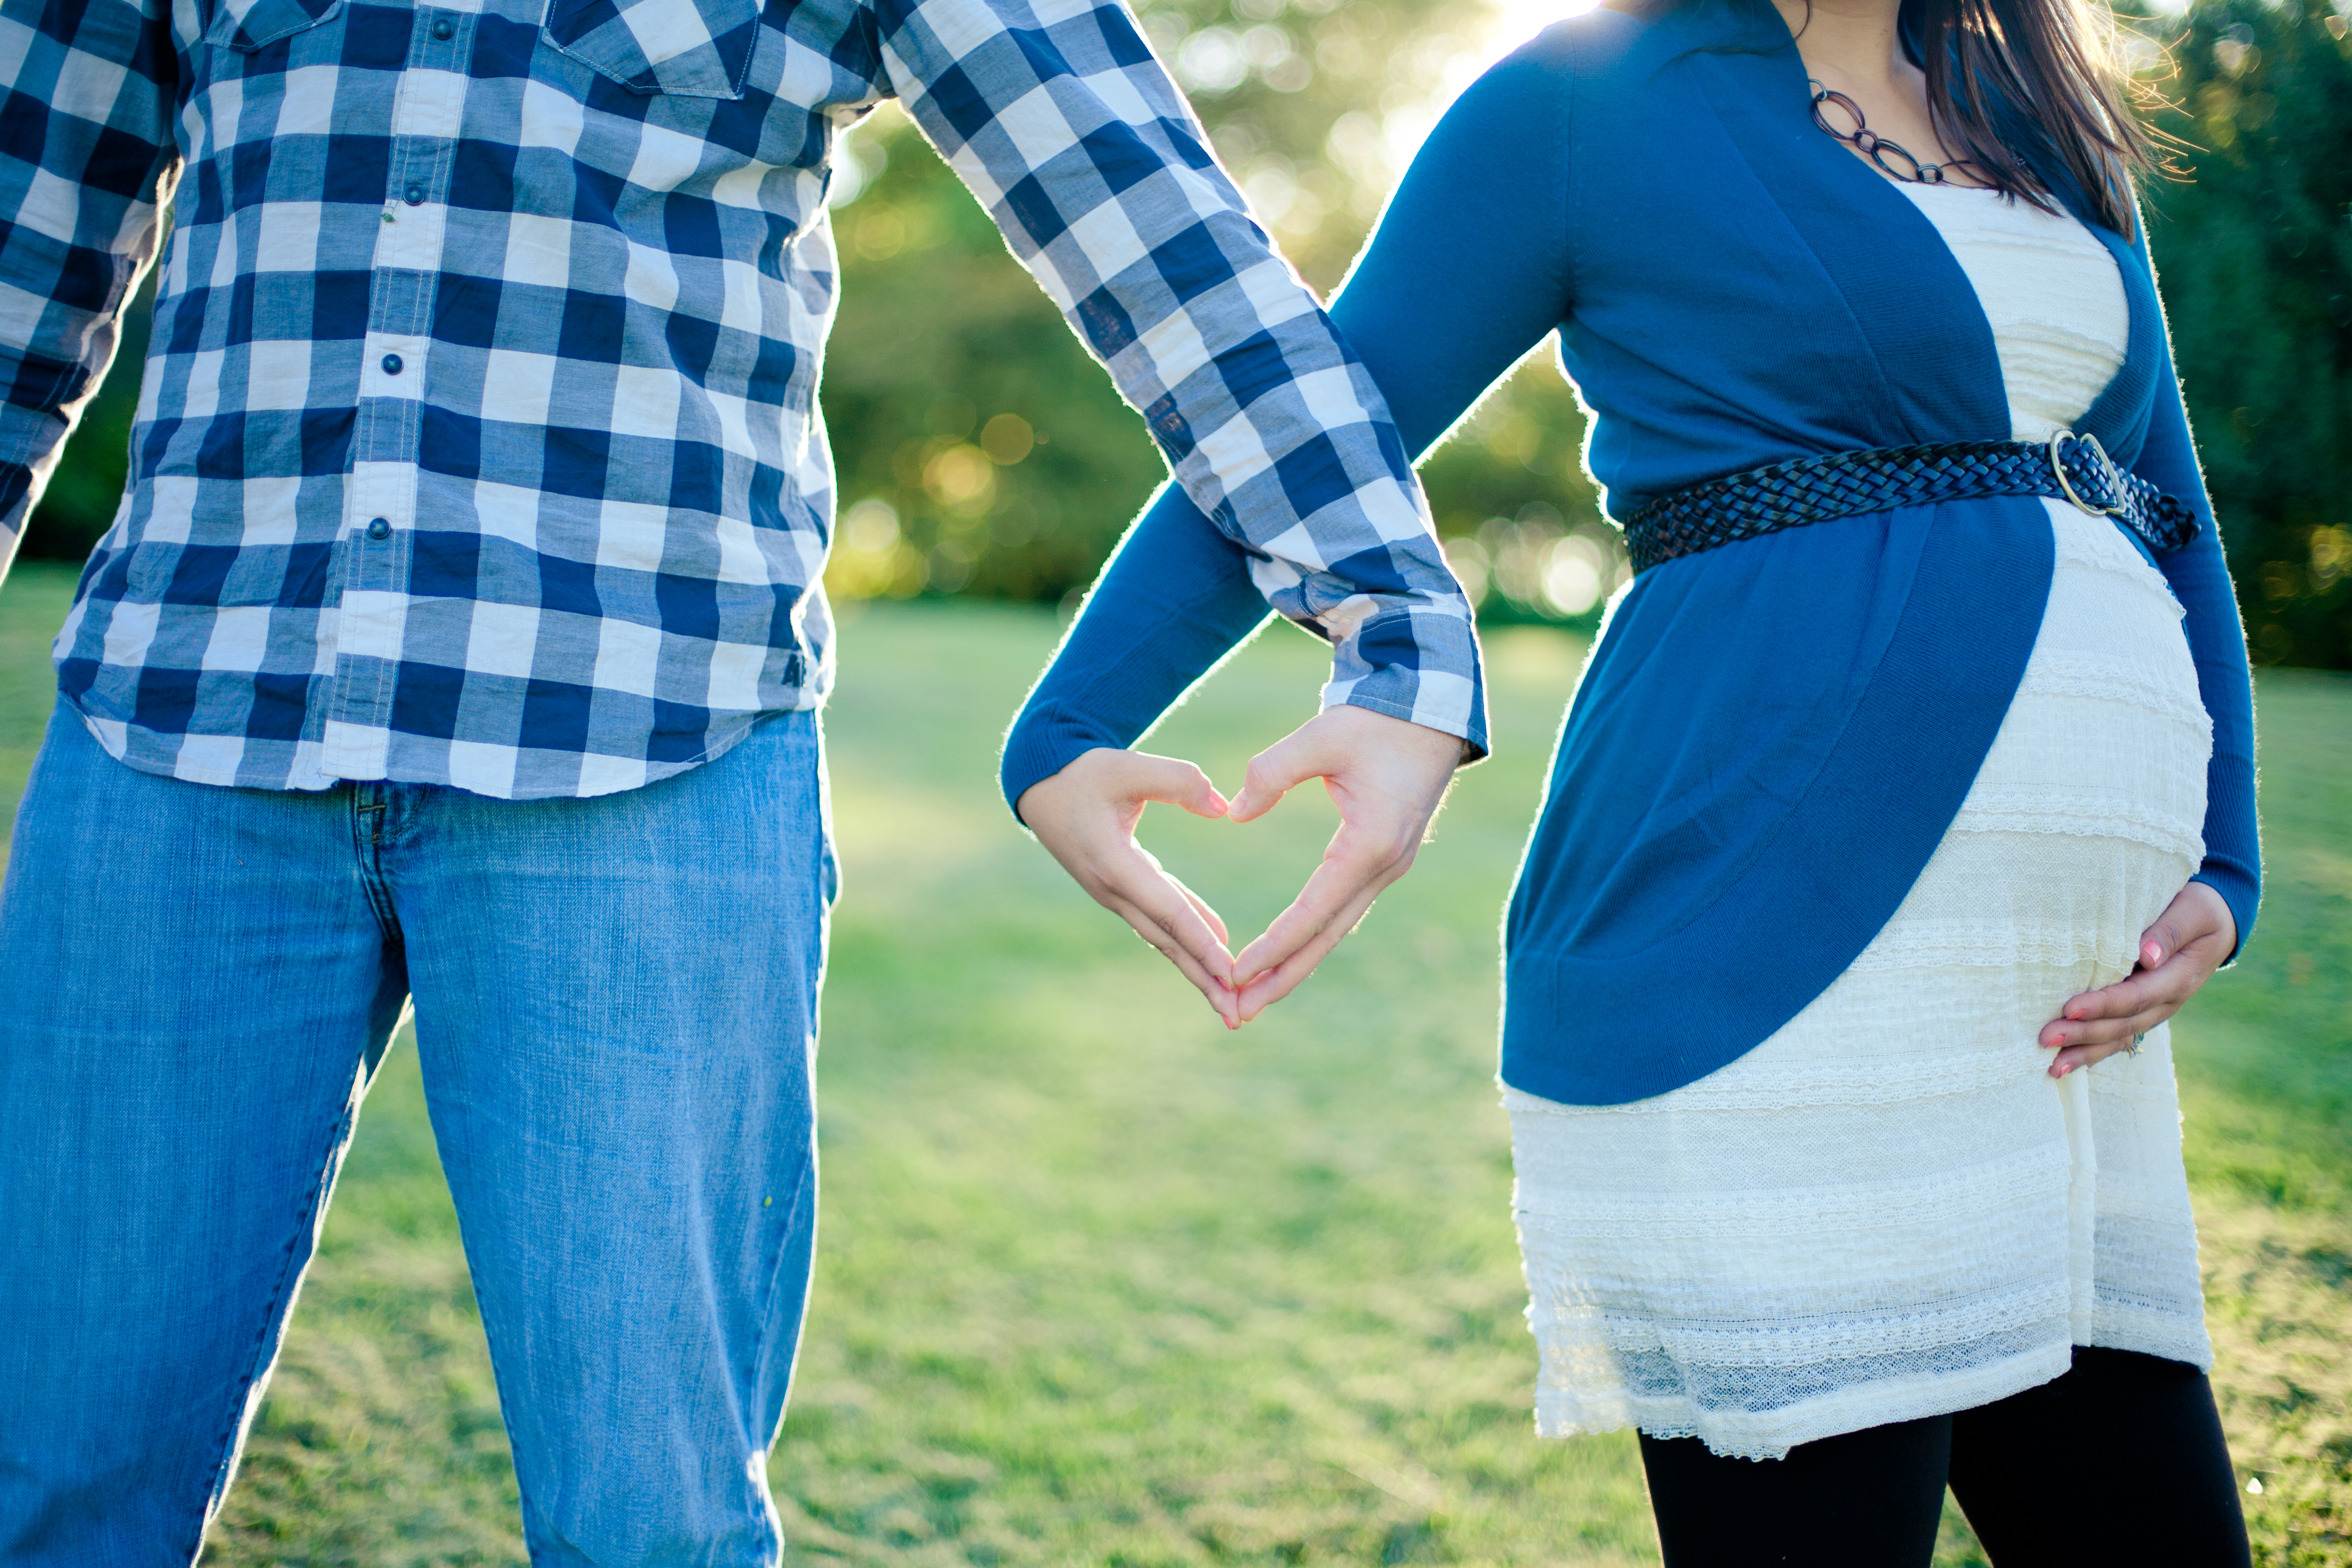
<point x="1101" y="1283"/>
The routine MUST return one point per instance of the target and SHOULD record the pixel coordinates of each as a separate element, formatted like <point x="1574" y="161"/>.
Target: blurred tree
<point x="979" y="448"/>
<point x="2255" y="258"/>
<point x="1313" y="106"/>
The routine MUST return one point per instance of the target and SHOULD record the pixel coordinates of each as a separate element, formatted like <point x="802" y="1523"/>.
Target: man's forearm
<point x="1097" y="171"/>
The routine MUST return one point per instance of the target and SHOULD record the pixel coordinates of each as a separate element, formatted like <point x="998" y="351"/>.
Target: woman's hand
<point x="2177" y="955"/>
<point x="1085" y="814"/>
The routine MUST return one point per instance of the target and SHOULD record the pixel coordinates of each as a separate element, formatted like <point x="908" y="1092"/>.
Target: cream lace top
<point x="2051" y="291"/>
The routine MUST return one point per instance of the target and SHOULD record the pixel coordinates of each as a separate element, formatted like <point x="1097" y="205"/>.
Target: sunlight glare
<point x="1391" y="142"/>
<point x="1507" y="24"/>
<point x="1513" y="22"/>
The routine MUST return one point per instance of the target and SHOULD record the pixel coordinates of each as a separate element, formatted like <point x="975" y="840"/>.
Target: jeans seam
<point x="776" y="1262"/>
<point x="769" y="1522"/>
<point x="307" y="1216"/>
<point x="509" y="1410"/>
<point x="826" y="872"/>
<point x="766" y="1309"/>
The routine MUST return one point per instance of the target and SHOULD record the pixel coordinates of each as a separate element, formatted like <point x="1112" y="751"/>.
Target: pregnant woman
<point x="1908" y="792"/>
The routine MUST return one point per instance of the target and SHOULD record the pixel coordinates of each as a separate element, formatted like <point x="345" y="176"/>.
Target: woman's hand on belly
<point x="2177" y="955"/>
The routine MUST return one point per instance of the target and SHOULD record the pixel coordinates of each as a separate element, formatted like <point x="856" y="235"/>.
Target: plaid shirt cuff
<point x="16" y="504"/>
<point x="1419" y="664"/>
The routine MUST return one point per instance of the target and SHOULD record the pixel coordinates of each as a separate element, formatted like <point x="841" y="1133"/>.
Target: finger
<point x="2073" y="1058"/>
<point x="2174" y="931"/>
<point x="1279" y="982"/>
<point x="2195" y="914"/>
<point x="1353" y="870"/>
<point x="1167" y="922"/>
<point x="1200" y="906"/>
<point x="2108" y="1031"/>
<point x="1276" y="771"/>
<point x="1359" y="865"/>
<point x="1206" y="979"/>
<point x="2172" y="982"/>
<point x="2134" y="993"/>
<point x="1173" y="781"/>
<point x="1136" y="878"/>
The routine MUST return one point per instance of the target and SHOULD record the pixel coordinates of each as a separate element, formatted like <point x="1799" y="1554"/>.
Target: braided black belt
<point x="1813" y="489"/>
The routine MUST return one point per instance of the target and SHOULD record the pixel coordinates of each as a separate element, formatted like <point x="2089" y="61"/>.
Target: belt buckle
<point x="2107" y="463"/>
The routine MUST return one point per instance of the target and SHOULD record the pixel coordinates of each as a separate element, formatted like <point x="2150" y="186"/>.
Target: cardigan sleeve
<point x="1466" y="272"/>
<point x="2199" y="577"/>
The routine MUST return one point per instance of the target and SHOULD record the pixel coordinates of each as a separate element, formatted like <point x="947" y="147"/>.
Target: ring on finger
<point x="2133" y="1049"/>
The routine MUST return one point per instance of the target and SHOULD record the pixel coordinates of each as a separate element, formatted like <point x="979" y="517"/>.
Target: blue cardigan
<point x="1771" y="737"/>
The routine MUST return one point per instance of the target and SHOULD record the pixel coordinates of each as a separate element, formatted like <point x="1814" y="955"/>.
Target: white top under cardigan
<point x="1887" y="1210"/>
<point x="2051" y="293"/>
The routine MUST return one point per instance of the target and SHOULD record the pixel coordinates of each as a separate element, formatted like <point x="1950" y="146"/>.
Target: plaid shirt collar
<point x="477" y="442"/>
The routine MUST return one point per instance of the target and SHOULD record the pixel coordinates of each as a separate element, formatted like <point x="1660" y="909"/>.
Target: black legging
<point x="2120" y="1460"/>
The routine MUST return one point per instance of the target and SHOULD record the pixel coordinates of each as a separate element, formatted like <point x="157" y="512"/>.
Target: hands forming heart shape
<point x="1387" y="778"/>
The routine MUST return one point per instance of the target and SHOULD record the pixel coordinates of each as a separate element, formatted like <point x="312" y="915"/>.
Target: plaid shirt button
<point x="612" y="494"/>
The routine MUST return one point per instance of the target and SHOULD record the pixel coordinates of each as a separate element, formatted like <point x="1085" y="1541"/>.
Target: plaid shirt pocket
<point x="257" y="24"/>
<point x="684" y="49"/>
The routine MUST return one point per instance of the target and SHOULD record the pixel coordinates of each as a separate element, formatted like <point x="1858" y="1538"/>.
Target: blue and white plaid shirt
<point x="478" y="442"/>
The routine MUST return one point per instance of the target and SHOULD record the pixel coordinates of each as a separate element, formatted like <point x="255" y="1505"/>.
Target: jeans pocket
<point x="256" y="24"/>
<point x="684" y="49"/>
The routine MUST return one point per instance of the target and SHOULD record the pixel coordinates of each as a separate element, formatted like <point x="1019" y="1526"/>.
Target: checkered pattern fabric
<point x="478" y="442"/>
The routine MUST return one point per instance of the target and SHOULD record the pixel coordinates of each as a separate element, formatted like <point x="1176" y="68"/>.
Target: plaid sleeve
<point x="1057" y="116"/>
<point x="86" y="93"/>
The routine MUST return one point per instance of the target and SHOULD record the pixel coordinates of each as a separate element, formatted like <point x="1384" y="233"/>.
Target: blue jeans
<point x="616" y="1023"/>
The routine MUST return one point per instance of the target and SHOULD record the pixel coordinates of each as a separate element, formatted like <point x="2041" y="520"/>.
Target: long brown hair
<point x="2051" y="72"/>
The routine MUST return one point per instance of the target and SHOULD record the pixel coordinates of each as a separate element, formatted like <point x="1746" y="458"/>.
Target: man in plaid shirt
<point x="460" y="636"/>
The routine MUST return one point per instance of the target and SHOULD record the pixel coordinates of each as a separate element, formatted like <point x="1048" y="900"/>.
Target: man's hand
<point x="1085" y="814"/>
<point x="1387" y="776"/>
<point x="2177" y="955"/>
